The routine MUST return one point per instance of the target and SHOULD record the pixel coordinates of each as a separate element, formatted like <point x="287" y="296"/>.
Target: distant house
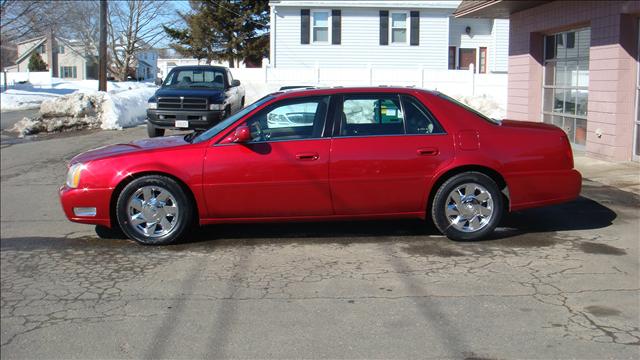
<point x="67" y="60"/>
<point x="146" y="65"/>
<point x="383" y="33"/>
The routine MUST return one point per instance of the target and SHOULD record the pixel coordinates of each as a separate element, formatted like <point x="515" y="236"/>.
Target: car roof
<point x="311" y="91"/>
<point x="199" y="67"/>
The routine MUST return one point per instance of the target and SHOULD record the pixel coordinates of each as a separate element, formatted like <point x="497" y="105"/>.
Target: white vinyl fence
<point x="260" y="81"/>
<point x="35" y="78"/>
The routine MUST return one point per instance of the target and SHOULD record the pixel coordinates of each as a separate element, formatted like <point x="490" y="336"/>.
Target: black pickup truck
<point x="193" y="98"/>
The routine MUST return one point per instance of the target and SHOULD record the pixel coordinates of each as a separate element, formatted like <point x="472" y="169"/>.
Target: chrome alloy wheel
<point x="153" y="211"/>
<point x="469" y="207"/>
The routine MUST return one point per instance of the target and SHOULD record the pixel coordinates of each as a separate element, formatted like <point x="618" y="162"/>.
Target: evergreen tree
<point x="36" y="63"/>
<point x="224" y="30"/>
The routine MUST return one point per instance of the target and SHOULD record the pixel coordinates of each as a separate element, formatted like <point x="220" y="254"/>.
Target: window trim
<point x="269" y="106"/>
<point x="577" y="59"/>
<point x="312" y="41"/>
<point x="336" y="119"/>
<point x="482" y="68"/>
<point x="407" y="28"/>
<point x="455" y="53"/>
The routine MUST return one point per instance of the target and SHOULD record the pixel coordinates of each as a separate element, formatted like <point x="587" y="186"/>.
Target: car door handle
<point x="428" y="151"/>
<point x="310" y="156"/>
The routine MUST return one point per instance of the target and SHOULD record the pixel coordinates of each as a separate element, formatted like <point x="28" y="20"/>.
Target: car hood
<point x="213" y="95"/>
<point x="132" y="147"/>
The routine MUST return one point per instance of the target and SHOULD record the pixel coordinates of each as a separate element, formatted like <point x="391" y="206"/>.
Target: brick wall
<point x="612" y="65"/>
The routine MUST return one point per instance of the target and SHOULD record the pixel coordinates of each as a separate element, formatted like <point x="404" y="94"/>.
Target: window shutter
<point x="304" y="26"/>
<point x="415" y="28"/>
<point x="384" y="27"/>
<point x="336" y="27"/>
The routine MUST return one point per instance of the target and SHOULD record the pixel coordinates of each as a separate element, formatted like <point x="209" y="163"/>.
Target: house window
<point x="566" y="82"/>
<point x="320" y="26"/>
<point x="452" y="57"/>
<point x="60" y="49"/>
<point x="482" y="61"/>
<point x="41" y="49"/>
<point x="68" y="72"/>
<point x="399" y="27"/>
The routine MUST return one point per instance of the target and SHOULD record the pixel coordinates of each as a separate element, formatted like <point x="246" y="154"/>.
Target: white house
<point x="384" y="34"/>
<point x="146" y="64"/>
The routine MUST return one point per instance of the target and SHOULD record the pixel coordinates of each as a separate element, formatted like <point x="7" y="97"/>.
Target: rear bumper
<point x="199" y="120"/>
<point x="528" y="190"/>
<point x="86" y="198"/>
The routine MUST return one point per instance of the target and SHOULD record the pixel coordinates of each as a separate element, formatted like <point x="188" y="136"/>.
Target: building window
<point x="566" y="82"/>
<point x="482" y="61"/>
<point x="452" y="57"/>
<point x="41" y="49"/>
<point x="60" y="49"/>
<point x="399" y="27"/>
<point x="68" y="72"/>
<point x="320" y="26"/>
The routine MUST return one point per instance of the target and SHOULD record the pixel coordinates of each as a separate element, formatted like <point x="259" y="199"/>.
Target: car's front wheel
<point x="153" y="131"/>
<point x="154" y="210"/>
<point x="467" y="207"/>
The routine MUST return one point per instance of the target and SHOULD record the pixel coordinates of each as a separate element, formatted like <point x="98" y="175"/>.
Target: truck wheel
<point x="153" y="131"/>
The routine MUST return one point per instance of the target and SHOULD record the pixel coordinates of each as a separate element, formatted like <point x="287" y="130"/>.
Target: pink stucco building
<point x="574" y="64"/>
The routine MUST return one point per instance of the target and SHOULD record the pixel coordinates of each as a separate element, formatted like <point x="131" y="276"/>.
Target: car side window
<point x="371" y="115"/>
<point x="418" y="119"/>
<point x="293" y="119"/>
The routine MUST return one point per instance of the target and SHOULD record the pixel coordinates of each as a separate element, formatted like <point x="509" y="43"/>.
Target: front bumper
<point x="99" y="199"/>
<point x="198" y="120"/>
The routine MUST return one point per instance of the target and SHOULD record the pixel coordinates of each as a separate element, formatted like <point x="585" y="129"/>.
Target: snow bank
<point x="27" y="96"/>
<point x="126" y="108"/>
<point x="89" y="110"/>
<point x="483" y="104"/>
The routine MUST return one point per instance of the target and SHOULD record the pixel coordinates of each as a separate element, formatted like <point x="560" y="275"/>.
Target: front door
<point x="282" y="172"/>
<point x="467" y="57"/>
<point x="383" y="154"/>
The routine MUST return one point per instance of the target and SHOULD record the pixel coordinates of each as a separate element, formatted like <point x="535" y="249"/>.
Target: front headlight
<point x="73" y="175"/>
<point x="152" y="105"/>
<point x="216" y="106"/>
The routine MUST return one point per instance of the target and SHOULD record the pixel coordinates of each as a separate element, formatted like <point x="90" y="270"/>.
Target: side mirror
<point x="242" y="134"/>
<point x="235" y="83"/>
<point x="158" y="81"/>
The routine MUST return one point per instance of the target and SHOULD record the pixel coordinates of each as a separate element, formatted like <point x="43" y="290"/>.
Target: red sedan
<point x="327" y="154"/>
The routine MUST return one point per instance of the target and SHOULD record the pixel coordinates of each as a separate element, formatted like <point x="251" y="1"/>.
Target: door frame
<point x="475" y="59"/>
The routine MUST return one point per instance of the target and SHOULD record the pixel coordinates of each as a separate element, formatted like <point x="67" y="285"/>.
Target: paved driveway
<point x="555" y="282"/>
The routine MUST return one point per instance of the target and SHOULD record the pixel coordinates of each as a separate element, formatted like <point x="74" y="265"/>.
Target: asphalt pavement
<point x="555" y="282"/>
<point x="9" y="118"/>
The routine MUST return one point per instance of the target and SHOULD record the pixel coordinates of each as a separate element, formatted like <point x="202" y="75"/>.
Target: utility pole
<point x="102" y="52"/>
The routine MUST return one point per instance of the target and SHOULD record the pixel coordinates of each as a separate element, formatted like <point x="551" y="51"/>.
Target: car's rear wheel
<point x="153" y="131"/>
<point x="467" y="207"/>
<point x="154" y="210"/>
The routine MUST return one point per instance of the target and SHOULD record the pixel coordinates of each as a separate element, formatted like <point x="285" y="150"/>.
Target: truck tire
<point x="153" y="131"/>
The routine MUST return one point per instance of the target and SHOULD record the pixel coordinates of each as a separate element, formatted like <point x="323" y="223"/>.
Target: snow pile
<point x="483" y="104"/>
<point x="89" y="110"/>
<point x="126" y="108"/>
<point x="27" y="96"/>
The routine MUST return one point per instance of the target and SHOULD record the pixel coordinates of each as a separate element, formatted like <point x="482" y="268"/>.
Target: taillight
<point x="568" y="150"/>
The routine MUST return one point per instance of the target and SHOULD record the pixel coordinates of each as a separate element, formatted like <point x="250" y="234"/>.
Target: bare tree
<point x="21" y="18"/>
<point x="135" y="26"/>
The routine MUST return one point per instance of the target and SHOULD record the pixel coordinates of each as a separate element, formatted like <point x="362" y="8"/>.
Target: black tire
<point x="226" y="113"/>
<point x="242" y="102"/>
<point x="183" y="216"/>
<point x="104" y="232"/>
<point x="442" y="202"/>
<point x="153" y="131"/>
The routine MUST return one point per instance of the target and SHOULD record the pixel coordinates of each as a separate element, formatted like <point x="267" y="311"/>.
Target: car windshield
<point x="467" y="107"/>
<point x="230" y="120"/>
<point x="195" y="78"/>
